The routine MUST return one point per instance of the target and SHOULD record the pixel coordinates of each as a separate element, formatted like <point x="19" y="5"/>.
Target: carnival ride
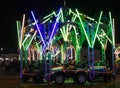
<point x="60" y="36"/>
<point x="117" y="57"/>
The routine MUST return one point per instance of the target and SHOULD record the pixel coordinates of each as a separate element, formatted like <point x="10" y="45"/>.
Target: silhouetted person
<point x="7" y="66"/>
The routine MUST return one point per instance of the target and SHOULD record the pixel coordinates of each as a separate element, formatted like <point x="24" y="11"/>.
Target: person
<point x="7" y="66"/>
<point x="71" y="64"/>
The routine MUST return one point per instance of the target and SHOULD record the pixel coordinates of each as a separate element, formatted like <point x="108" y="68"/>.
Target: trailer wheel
<point x="81" y="78"/>
<point x="59" y="79"/>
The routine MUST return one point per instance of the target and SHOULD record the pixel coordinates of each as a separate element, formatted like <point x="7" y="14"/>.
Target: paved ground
<point x="12" y="80"/>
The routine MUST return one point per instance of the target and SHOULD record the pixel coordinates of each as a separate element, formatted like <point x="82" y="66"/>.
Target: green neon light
<point x="107" y="37"/>
<point x="48" y="15"/>
<point x="76" y="38"/>
<point x="24" y="47"/>
<point x="25" y="39"/>
<point x="63" y="31"/>
<point x="46" y="20"/>
<point x="37" y="46"/>
<point x="74" y="18"/>
<point x="112" y="30"/>
<point x="103" y="55"/>
<point x="31" y="40"/>
<point x="66" y="36"/>
<point x="70" y="11"/>
<point x="73" y="13"/>
<point x="83" y="28"/>
<point x="87" y="17"/>
<point x="100" y="41"/>
<point x="26" y="44"/>
<point x="18" y="32"/>
<point x="97" y="29"/>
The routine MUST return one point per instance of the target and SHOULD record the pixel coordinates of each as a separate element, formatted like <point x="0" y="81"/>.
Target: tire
<point x="59" y="79"/>
<point x="81" y="78"/>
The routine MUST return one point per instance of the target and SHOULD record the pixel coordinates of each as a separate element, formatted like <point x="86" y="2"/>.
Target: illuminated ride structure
<point x="60" y="37"/>
<point x="117" y="57"/>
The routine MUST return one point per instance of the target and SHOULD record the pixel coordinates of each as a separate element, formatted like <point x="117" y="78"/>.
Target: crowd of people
<point x="9" y="66"/>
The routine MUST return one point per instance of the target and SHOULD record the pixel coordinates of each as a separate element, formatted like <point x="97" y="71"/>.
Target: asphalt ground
<point x="12" y="80"/>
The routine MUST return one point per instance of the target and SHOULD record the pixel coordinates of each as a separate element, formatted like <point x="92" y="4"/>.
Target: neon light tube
<point x="107" y="37"/>
<point x="54" y="13"/>
<point x="76" y="37"/>
<point x="62" y="34"/>
<point x="33" y="23"/>
<point x="31" y="39"/>
<point x="74" y="18"/>
<point x="83" y="28"/>
<point x="113" y="33"/>
<point x="23" y="22"/>
<point x="25" y="39"/>
<point x="100" y="41"/>
<point x="69" y="11"/>
<point x="62" y="19"/>
<point x="38" y="28"/>
<point x="48" y="15"/>
<point x="18" y="32"/>
<point x="67" y="32"/>
<point x="73" y="13"/>
<point x="57" y="19"/>
<point x="46" y="20"/>
<point x="97" y="29"/>
<point x="112" y="30"/>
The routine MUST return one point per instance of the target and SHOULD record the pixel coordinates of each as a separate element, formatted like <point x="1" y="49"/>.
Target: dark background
<point x="14" y="10"/>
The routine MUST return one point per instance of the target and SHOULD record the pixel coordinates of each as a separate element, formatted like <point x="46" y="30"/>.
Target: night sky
<point x="12" y="11"/>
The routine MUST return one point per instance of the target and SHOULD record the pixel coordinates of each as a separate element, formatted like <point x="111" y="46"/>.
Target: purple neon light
<point x="38" y="28"/>
<point x="54" y="26"/>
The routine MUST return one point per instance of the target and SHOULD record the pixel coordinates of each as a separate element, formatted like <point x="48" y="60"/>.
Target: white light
<point x="6" y="59"/>
<point x="1" y="49"/>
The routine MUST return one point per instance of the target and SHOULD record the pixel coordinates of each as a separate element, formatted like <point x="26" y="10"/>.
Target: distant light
<point x="1" y="49"/>
<point x="6" y="58"/>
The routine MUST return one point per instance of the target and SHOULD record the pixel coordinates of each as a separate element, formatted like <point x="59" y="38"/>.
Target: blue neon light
<point x="38" y="27"/>
<point x="54" y="27"/>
